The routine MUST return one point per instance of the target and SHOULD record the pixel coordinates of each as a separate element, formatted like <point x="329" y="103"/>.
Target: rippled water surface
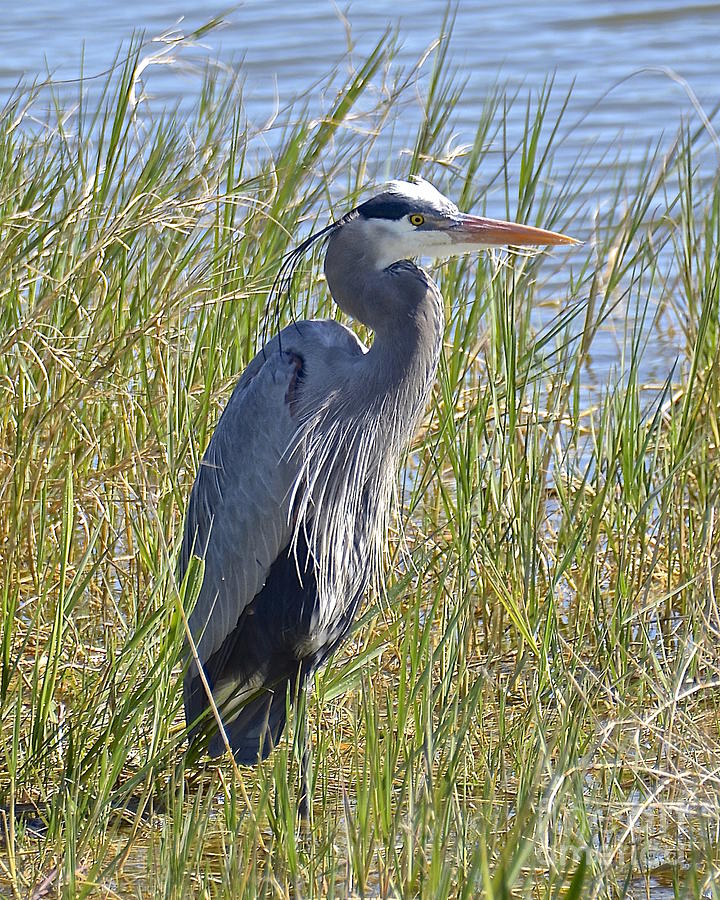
<point x="285" y="47"/>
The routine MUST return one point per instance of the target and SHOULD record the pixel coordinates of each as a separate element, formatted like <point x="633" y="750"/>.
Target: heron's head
<point x="404" y="221"/>
<point x="411" y="219"/>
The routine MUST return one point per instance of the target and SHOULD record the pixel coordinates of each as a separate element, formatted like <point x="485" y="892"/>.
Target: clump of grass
<point x="531" y="709"/>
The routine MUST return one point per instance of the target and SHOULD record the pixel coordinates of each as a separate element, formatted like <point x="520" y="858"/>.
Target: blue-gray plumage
<point x="291" y="505"/>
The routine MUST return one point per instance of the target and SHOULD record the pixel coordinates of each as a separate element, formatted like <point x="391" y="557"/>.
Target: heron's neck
<point x="404" y="308"/>
<point x="404" y="354"/>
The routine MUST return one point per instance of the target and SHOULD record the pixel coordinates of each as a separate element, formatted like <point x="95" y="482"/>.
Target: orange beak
<point x="495" y="232"/>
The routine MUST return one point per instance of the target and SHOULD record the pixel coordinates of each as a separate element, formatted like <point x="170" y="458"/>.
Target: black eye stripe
<point x="385" y="206"/>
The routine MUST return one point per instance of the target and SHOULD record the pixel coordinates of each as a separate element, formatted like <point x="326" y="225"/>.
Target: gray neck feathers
<point x="403" y="306"/>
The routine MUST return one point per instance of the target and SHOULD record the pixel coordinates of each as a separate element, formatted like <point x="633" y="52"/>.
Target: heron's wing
<point x="238" y="518"/>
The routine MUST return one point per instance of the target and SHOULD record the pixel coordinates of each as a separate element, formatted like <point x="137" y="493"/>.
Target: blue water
<point x="638" y="67"/>
<point x="284" y="48"/>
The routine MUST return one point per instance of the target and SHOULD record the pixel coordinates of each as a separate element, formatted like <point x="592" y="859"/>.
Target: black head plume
<point x="283" y="281"/>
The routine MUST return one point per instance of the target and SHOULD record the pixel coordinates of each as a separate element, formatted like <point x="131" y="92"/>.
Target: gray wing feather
<point x="238" y="516"/>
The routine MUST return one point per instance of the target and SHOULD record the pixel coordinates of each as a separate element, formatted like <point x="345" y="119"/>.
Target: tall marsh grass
<point x="533" y="708"/>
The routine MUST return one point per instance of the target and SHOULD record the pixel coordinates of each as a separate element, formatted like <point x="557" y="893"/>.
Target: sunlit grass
<point x="531" y="708"/>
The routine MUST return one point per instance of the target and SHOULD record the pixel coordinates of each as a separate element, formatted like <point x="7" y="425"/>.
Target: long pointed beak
<point x="494" y="232"/>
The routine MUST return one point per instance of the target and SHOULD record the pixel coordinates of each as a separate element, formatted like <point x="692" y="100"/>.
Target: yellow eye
<point x="417" y="219"/>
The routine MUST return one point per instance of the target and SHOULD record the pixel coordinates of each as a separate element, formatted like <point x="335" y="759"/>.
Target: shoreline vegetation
<point x="531" y="709"/>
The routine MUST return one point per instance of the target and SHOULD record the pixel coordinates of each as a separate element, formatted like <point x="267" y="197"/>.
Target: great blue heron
<point x="290" y="507"/>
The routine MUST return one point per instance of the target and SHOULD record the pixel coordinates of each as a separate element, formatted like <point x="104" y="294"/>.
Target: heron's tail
<point x="254" y="731"/>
